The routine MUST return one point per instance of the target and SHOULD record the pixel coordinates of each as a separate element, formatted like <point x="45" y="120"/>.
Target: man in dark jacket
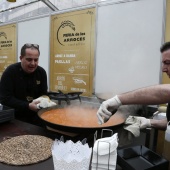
<point x="23" y="82"/>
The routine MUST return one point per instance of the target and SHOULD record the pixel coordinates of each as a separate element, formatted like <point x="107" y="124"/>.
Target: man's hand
<point x="33" y="106"/>
<point x="107" y="107"/>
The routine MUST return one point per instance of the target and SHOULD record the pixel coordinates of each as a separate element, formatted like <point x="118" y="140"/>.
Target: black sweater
<point x="18" y="88"/>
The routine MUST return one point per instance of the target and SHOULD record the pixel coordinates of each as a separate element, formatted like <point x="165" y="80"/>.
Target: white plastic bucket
<point x="167" y="132"/>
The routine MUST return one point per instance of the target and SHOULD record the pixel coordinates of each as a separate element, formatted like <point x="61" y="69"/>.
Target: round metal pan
<point x="86" y="122"/>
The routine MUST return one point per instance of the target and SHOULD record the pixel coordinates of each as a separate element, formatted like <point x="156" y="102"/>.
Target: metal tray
<point x="140" y="158"/>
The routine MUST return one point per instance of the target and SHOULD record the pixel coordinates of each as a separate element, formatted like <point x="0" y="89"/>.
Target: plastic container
<point x="6" y="114"/>
<point x="159" y="116"/>
<point x="1" y="106"/>
<point x="167" y="133"/>
<point x="166" y="148"/>
<point x="140" y="158"/>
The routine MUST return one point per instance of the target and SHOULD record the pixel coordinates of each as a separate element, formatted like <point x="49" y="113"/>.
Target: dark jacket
<point x="168" y="112"/>
<point x="18" y="88"/>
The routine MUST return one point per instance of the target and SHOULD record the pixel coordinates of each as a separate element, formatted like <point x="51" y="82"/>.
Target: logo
<point x="29" y="98"/>
<point x="79" y="81"/>
<point x="3" y="34"/>
<point x="38" y="82"/>
<point x="65" y="24"/>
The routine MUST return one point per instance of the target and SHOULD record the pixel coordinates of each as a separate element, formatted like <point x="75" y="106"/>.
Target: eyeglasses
<point x="31" y="45"/>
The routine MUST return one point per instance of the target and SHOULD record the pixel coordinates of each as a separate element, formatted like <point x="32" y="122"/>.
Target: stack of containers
<point x="105" y="153"/>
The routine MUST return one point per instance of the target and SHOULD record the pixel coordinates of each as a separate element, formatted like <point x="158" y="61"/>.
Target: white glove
<point x="105" y="111"/>
<point x="44" y="102"/>
<point x="144" y="122"/>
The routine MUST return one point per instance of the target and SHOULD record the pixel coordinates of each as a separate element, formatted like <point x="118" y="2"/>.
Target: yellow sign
<point x="72" y="51"/>
<point x="7" y="46"/>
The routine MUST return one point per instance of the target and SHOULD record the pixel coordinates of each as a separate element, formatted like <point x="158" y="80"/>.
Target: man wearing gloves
<point x="23" y="82"/>
<point x="153" y="95"/>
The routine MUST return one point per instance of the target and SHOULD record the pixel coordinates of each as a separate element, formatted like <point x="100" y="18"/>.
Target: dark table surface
<point x="15" y="128"/>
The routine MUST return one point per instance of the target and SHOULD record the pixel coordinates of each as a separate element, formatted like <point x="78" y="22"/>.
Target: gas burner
<point x="60" y="96"/>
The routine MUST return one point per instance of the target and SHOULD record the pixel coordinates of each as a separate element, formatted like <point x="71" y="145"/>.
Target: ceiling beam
<point x="50" y="5"/>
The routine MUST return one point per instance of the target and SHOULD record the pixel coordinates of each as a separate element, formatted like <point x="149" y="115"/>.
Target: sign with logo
<point x="7" y="46"/>
<point x="72" y="51"/>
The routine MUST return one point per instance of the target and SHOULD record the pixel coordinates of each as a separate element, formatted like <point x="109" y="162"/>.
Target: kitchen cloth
<point x="105" y="153"/>
<point x="130" y="130"/>
<point x="132" y="124"/>
<point x="44" y="102"/>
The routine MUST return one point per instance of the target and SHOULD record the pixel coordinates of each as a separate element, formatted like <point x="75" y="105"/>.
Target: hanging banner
<point x="72" y="51"/>
<point x="7" y="46"/>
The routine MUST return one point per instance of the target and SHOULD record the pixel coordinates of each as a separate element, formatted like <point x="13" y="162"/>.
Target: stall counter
<point x="15" y="128"/>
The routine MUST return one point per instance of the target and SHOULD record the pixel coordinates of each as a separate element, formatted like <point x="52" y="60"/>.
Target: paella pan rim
<point x="72" y="129"/>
